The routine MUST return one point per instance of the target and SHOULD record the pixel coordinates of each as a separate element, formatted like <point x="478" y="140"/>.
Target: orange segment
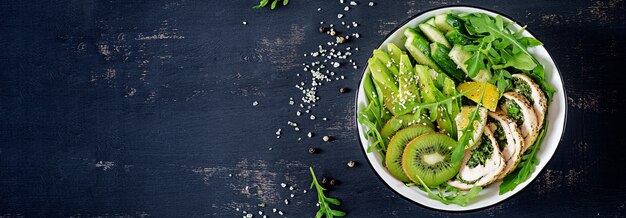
<point x="490" y="99"/>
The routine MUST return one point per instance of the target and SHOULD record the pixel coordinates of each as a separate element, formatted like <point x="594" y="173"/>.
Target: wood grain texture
<point x="144" y="108"/>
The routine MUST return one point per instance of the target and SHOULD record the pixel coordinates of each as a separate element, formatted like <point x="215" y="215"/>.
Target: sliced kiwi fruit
<point x="429" y="157"/>
<point x="402" y="121"/>
<point x="395" y="149"/>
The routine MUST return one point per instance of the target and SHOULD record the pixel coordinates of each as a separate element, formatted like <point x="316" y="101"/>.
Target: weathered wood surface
<point x="134" y="108"/>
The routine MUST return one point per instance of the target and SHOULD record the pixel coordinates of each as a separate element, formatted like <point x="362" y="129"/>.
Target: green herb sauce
<point x="481" y="153"/>
<point x="523" y="88"/>
<point x="514" y="111"/>
<point x="499" y="133"/>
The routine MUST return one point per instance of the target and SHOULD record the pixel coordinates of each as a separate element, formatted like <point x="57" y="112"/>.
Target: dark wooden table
<point x="145" y="108"/>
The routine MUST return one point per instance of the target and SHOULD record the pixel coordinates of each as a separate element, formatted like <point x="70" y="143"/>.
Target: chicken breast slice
<point x="512" y="148"/>
<point x="530" y="128"/>
<point x="480" y="175"/>
<point x="539" y="100"/>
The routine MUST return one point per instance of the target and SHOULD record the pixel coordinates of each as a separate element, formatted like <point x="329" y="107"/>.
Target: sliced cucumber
<point x="384" y="58"/>
<point x="439" y="53"/>
<point x="458" y="38"/>
<point x="431" y="21"/>
<point x="418" y="47"/>
<point x="433" y="34"/>
<point x="448" y="22"/>
<point x="459" y="57"/>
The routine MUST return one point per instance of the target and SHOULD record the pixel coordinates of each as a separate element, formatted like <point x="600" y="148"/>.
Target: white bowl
<point x="488" y="196"/>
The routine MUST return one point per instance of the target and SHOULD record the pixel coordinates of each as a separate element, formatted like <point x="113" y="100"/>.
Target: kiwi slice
<point x="429" y="157"/>
<point x="395" y="149"/>
<point x="402" y="121"/>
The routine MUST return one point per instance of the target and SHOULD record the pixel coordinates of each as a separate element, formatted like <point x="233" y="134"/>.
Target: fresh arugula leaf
<point x="530" y="42"/>
<point x="264" y="3"/>
<point x="526" y="167"/>
<point x="324" y="202"/>
<point x="484" y="24"/>
<point x="502" y="79"/>
<point x="519" y="61"/>
<point x="475" y="64"/>
<point x="274" y="4"/>
<point x="459" y="149"/>
<point x="458" y="198"/>
<point x="417" y="108"/>
<point x="261" y="4"/>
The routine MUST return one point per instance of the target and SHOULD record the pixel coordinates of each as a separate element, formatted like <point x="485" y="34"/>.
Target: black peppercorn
<point x="333" y="182"/>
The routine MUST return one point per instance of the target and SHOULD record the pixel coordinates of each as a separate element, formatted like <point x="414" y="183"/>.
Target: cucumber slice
<point x="458" y="38"/>
<point x="431" y="21"/>
<point x="384" y="58"/>
<point x="433" y="34"/>
<point x="459" y="57"/>
<point x="440" y="22"/>
<point x="439" y="53"/>
<point x="418" y="47"/>
<point x="448" y="22"/>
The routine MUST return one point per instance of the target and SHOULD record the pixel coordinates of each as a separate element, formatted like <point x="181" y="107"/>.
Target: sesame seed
<point x="339" y="16"/>
<point x="371" y="4"/>
<point x="244" y="23"/>
<point x="255" y="103"/>
<point x="283" y="185"/>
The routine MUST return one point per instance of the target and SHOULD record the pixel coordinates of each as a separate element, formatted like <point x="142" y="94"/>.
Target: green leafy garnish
<point x="526" y="167"/>
<point x="458" y="197"/>
<point x="502" y="79"/>
<point x="325" y="202"/>
<point x="501" y="49"/>
<point x="264" y="3"/>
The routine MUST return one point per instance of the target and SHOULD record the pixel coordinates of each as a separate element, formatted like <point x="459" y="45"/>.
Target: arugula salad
<point x="460" y="105"/>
